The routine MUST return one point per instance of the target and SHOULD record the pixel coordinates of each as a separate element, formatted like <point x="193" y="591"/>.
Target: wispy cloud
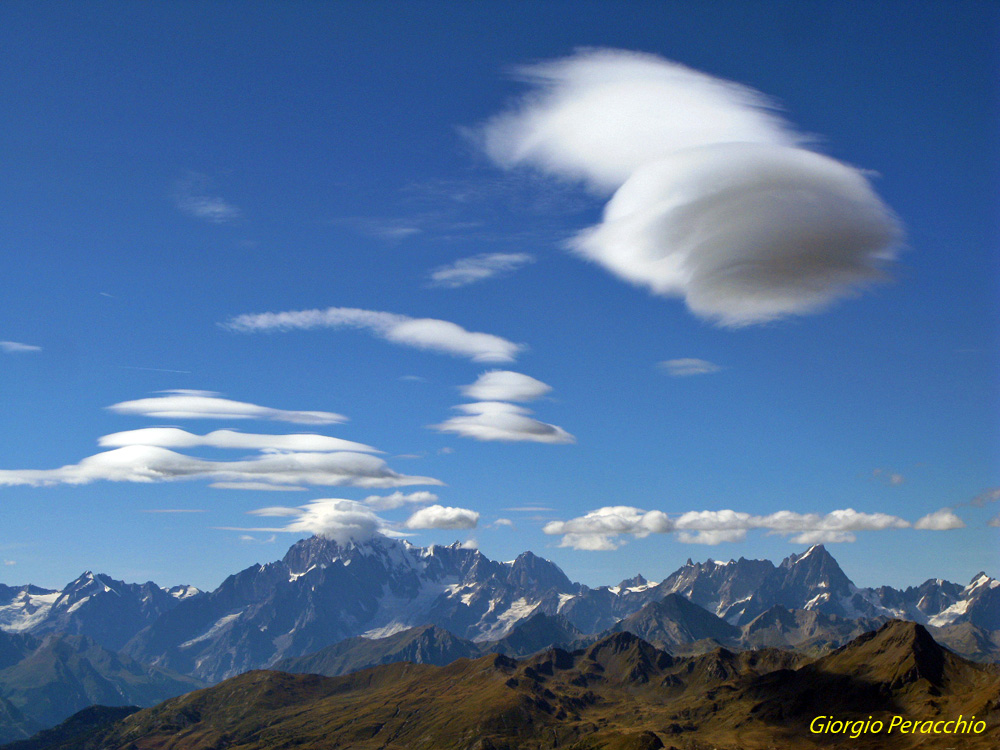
<point x="193" y="197"/>
<point x="421" y="333"/>
<point x="15" y="347"/>
<point x="608" y="528"/>
<point x="256" y="487"/>
<point x="173" y="510"/>
<point x="467" y="271"/>
<point x="887" y="476"/>
<point x="398" y="500"/>
<point x="10" y="562"/>
<point x="206" y="405"/>
<point x="497" y="420"/>
<point x="687" y="366"/>
<point x="174" y="437"/>
<point x="985" y="497"/>
<point x="715" y="199"/>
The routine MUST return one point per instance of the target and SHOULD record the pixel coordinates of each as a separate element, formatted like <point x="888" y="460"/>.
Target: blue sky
<point x="168" y="168"/>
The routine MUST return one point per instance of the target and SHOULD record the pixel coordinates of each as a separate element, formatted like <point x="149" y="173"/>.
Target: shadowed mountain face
<point x="675" y="621"/>
<point x="620" y="692"/>
<point x="59" y="675"/>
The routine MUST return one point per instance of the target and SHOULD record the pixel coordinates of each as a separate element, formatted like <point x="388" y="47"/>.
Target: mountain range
<point x="333" y="609"/>
<point x="321" y="593"/>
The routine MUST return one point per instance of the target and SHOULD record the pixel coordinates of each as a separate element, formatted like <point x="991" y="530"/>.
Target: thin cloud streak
<point x="688" y="366"/>
<point x="421" y="333"/>
<point x="15" y="347"/>
<point x="477" y="268"/>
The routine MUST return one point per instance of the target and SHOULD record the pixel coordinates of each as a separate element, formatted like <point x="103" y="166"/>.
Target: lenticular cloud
<point x="715" y="201"/>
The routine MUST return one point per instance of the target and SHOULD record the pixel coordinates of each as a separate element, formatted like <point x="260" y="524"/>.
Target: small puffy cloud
<point x="442" y="517"/>
<point x="496" y="420"/>
<point x="715" y="199"/>
<point x="147" y="464"/>
<point x="604" y="528"/>
<point x="10" y="562"/>
<point x="421" y="333"/>
<point x="193" y="198"/>
<point x="889" y="477"/>
<point x="503" y="522"/>
<point x="470" y="543"/>
<point x="204" y="405"/>
<point x="504" y="385"/>
<point x="940" y="520"/>
<point x="994" y="522"/>
<point x="398" y="500"/>
<point x="688" y="366"/>
<point x="599" y="529"/>
<point x="15" y="347"/>
<point x="478" y="268"/>
<point x="173" y="437"/>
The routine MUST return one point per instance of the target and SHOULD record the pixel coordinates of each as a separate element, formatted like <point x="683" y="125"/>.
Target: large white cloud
<point x="716" y="201"/>
<point x="422" y="333"/>
<point x="206" y="405"/>
<point x="478" y="268"/>
<point x="142" y="463"/>
<point x="173" y="437"/>
<point x="504" y="385"/>
<point x="497" y="420"/>
<point x="606" y="528"/>
<point x="442" y="517"/>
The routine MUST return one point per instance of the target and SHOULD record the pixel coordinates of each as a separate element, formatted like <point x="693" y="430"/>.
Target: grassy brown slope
<point x="619" y="694"/>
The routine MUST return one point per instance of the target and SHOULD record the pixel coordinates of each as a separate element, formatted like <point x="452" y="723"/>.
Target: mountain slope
<point x="619" y="692"/>
<point x="64" y="674"/>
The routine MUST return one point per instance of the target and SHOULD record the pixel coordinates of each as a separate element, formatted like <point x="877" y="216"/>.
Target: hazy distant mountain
<point x="59" y="675"/>
<point x="621" y="692"/>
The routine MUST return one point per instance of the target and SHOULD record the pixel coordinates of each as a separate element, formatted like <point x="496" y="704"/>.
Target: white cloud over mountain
<point x="604" y="528"/>
<point x="442" y="517"/>
<point x="421" y="333"/>
<point x="715" y="199"/>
